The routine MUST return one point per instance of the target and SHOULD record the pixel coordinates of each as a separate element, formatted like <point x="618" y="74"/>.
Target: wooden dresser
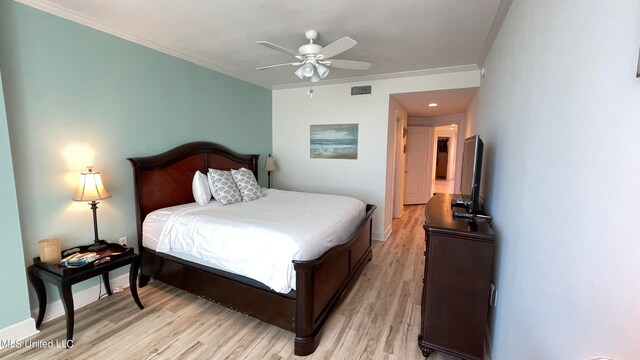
<point x="457" y="279"/>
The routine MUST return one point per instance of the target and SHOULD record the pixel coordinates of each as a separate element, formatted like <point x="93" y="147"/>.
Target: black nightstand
<point x="64" y="277"/>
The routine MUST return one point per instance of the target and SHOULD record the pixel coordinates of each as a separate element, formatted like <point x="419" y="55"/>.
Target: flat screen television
<point x="471" y="172"/>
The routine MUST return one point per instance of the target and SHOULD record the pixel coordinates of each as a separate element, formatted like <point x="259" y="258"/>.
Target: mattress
<point x="257" y="239"/>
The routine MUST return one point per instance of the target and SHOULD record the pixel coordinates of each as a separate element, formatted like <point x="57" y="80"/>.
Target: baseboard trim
<point x="18" y="331"/>
<point x="85" y="297"/>
<point x="387" y="232"/>
<point x="381" y="236"/>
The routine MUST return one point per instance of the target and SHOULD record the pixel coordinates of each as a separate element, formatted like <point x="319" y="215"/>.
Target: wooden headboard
<point x="165" y="179"/>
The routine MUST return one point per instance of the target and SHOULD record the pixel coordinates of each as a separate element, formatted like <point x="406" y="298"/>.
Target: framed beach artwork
<point x="337" y="141"/>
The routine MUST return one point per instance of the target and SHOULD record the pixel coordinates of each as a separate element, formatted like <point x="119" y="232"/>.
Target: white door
<point x="418" y="165"/>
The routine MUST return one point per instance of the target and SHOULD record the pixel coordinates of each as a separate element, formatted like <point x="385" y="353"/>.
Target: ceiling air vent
<point x="361" y="90"/>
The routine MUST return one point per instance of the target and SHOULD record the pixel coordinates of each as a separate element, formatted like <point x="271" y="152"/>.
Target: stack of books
<point x="79" y="259"/>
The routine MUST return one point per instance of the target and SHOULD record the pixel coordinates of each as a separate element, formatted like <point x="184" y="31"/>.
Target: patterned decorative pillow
<point x="224" y="188"/>
<point x="200" y="188"/>
<point x="210" y="183"/>
<point x="247" y="184"/>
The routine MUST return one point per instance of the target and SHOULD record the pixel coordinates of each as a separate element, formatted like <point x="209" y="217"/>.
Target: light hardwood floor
<point x="442" y="186"/>
<point x="379" y="319"/>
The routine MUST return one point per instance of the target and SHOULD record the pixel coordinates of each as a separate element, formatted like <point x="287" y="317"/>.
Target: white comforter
<point x="259" y="239"/>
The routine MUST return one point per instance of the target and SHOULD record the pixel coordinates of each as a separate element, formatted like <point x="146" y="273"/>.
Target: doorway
<point x="442" y="158"/>
<point x="410" y="109"/>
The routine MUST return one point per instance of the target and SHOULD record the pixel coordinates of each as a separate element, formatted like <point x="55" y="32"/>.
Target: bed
<point x="164" y="181"/>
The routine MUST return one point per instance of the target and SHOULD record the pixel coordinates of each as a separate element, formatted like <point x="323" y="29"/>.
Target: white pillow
<point x="247" y="184"/>
<point x="225" y="190"/>
<point x="200" y="188"/>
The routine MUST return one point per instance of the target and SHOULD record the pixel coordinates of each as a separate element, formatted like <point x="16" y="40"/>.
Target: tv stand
<point x="457" y="281"/>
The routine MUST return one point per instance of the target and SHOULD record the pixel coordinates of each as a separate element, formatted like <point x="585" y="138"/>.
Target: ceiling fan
<point x="314" y="59"/>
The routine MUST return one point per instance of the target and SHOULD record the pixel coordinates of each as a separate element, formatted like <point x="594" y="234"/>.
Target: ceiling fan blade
<point x="278" y="65"/>
<point x="337" y="47"/>
<point x="278" y="48"/>
<point x="349" y="64"/>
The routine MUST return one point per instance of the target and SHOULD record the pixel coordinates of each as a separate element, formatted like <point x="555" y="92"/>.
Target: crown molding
<point x="501" y="14"/>
<point x="396" y="75"/>
<point x="81" y="19"/>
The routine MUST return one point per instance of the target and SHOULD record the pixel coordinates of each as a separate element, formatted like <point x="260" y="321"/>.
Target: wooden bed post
<point x="306" y="341"/>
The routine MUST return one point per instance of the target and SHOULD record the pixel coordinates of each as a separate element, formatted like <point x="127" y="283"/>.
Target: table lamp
<point x="270" y="166"/>
<point x="91" y="189"/>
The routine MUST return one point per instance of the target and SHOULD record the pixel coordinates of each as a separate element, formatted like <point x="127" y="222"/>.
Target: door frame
<point x="398" y="167"/>
<point x="454" y="140"/>
<point x="437" y="139"/>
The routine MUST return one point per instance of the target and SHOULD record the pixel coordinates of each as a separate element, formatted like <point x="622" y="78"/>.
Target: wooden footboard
<point x="262" y="304"/>
<point x="321" y="283"/>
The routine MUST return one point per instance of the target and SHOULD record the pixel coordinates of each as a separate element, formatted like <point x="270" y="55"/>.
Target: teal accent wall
<point x="76" y="96"/>
<point x="13" y="281"/>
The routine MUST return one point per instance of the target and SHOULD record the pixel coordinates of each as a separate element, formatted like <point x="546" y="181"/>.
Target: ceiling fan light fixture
<point x="322" y="70"/>
<point x="307" y="70"/>
<point x="314" y="60"/>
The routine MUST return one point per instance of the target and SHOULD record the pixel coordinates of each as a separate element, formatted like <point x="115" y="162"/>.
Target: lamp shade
<point x="307" y="70"/>
<point x="90" y="187"/>
<point x="323" y="71"/>
<point x="270" y="165"/>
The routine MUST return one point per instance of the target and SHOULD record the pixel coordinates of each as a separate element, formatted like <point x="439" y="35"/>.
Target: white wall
<point x="559" y="112"/>
<point x="469" y="118"/>
<point x="366" y="178"/>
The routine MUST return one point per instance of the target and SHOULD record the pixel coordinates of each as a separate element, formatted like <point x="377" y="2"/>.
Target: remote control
<point x="70" y="251"/>
<point x="463" y="215"/>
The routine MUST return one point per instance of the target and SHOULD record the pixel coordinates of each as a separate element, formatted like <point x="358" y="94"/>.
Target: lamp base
<point x="97" y="246"/>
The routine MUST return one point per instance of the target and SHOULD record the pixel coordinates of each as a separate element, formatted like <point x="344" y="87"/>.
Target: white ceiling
<point x="395" y="36"/>
<point x="454" y="101"/>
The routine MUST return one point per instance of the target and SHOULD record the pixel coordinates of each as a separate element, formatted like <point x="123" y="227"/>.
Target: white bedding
<point x="257" y="239"/>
